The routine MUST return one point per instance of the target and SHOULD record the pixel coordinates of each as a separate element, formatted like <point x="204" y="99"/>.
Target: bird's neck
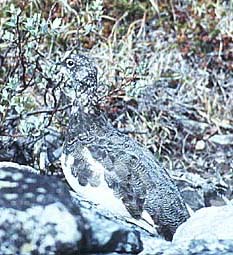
<point x="84" y="119"/>
<point x="87" y="103"/>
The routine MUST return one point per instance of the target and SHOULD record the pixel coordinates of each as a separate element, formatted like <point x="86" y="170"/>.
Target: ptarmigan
<point x="108" y="167"/>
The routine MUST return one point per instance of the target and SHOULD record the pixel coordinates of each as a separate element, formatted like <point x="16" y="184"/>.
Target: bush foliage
<point x="167" y="67"/>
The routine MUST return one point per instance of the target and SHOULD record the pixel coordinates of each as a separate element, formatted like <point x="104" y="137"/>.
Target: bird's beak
<point x="63" y="70"/>
<point x="60" y="64"/>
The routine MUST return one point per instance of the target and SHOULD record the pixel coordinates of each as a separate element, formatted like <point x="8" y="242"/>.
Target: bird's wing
<point x="121" y="166"/>
<point x="135" y="176"/>
<point x="141" y="180"/>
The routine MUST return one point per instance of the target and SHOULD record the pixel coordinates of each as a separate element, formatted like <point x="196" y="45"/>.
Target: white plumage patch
<point x="95" y="166"/>
<point x="102" y="194"/>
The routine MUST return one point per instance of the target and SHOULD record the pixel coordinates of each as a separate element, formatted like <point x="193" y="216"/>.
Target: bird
<point x="108" y="167"/>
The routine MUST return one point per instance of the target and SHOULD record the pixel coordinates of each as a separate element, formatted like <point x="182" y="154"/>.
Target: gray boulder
<point x="39" y="216"/>
<point x="209" y="231"/>
<point x="210" y="223"/>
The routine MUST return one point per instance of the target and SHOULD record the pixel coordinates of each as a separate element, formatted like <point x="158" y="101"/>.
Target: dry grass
<point x="169" y="62"/>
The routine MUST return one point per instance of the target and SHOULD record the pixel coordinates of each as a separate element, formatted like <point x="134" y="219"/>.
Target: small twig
<point x="49" y="111"/>
<point x="111" y="93"/>
<point x="21" y="53"/>
<point x="131" y="131"/>
<point x="143" y="24"/>
<point x="56" y="102"/>
<point x="115" y="26"/>
<point x="12" y="135"/>
<point x="118" y="119"/>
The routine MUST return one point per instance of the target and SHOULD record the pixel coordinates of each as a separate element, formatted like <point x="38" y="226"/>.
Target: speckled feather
<point x="130" y="170"/>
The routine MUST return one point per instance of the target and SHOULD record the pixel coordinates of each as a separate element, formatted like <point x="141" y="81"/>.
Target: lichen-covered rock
<point x="195" y="247"/>
<point x="37" y="214"/>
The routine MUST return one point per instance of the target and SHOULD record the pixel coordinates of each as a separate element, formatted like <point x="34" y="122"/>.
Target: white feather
<point x="101" y="195"/>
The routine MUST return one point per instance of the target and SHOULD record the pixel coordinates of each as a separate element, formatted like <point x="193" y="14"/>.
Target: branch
<point x="49" y="111"/>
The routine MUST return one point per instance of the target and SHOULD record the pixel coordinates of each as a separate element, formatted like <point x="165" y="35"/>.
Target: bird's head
<point x="80" y="77"/>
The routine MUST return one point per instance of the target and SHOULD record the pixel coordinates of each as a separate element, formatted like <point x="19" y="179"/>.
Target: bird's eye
<point x="70" y="63"/>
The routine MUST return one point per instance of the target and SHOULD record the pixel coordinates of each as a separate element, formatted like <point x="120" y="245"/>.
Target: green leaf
<point x="56" y="23"/>
<point x="5" y="94"/>
<point x="2" y="109"/>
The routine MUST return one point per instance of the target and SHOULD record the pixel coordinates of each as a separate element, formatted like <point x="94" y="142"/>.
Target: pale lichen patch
<point x="10" y="196"/>
<point x="17" y="176"/>
<point x="29" y="195"/>
<point x="8" y="184"/>
<point x="41" y="190"/>
<point x="30" y="180"/>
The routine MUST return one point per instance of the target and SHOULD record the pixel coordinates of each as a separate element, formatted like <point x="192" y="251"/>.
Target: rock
<point x="195" y="247"/>
<point x="222" y="139"/>
<point x="17" y="150"/>
<point x="195" y="127"/>
<point x="209" y="231"/>
<point x="37" y="214"/>
<point x="211" y="223"/>
<point x="43" y="152"/>
<point x="198" y="192"/>
<point x="200" y="145"/>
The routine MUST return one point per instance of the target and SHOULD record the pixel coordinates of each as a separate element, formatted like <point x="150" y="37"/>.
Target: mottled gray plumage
<point x="130" y="170"/>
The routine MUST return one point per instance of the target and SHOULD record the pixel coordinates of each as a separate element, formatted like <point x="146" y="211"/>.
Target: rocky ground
<point x="40" y="216"/>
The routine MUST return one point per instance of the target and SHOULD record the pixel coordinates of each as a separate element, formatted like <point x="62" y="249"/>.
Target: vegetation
<point x="167" y="67"/>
